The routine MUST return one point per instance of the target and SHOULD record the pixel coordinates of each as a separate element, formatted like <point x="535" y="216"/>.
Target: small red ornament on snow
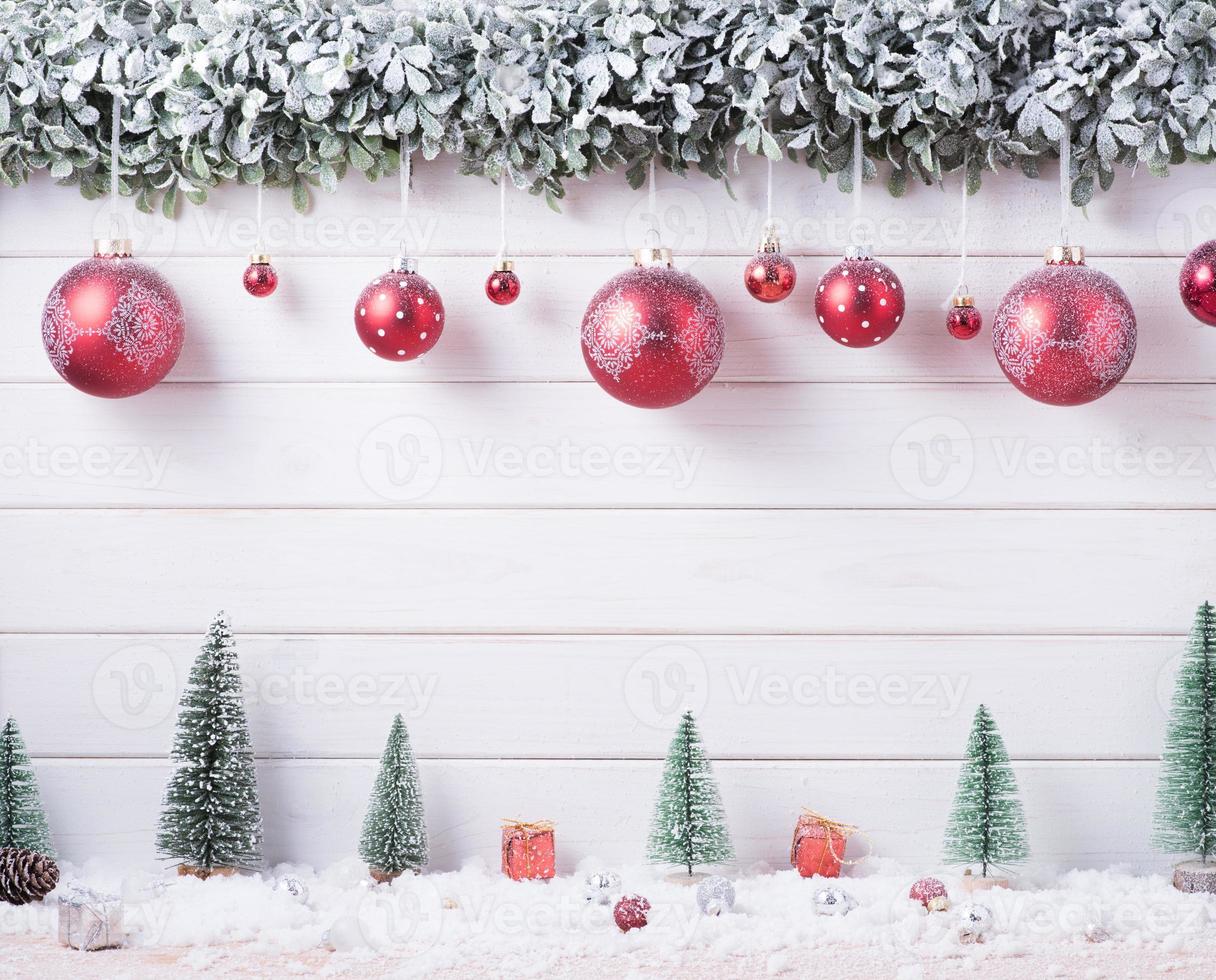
<point x="770" y="276"/>
<point x="503" y="285"/>
<point x="631" y="912"/>
<point x="1066" y="333"/>
<point x="928" y="891"/>
<point x="399" y="315"/>
<point x="652" y="336"/>
<point x="1197" y="283"/>
<point x="260" y="279"/>
<point x="859" y="302"/>
<point x="964" y="320"/>
<point x="112" y="327"/>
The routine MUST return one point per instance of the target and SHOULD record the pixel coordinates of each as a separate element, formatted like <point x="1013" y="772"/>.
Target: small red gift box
<point x="527" y="849"/>
<point x="819" y="844"/>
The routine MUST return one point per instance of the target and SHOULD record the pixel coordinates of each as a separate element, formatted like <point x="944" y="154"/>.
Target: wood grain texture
<point x="305" y="332"/>
<point x="609" y="697"/>
<point x="557" y="446"/>
<point x="1080" y="814"/>
<point x="604" y="571"/>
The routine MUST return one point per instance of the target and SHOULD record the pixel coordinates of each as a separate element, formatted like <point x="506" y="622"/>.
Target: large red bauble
<point x="652" y="336"/>
<point x="399" y="315"/>
<point x="1066" y="333"/>
<point x="859" y="302"/>
<point x="769" y="276"/>
<point x="1197" y="283"/>
<point x="112" y="326"/>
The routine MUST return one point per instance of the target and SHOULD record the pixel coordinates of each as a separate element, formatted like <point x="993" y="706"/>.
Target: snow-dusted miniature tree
<point x="394" y="830"/>
<point x="689" y="826"/>
<point x="1185" y="821"/>
<point x="987" y="826"/>
<point x="22" y="820"/>
<point x="211" y="817"/>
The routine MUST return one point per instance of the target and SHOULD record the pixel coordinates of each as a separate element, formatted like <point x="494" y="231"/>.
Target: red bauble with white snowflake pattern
<point x="859" y="302"/>
<point x="260" y="279"/>
<point x="770" y="277"/>
<point x="1197" y="283"/>
<point x="399" y="315"/>
<point x="652" y="336"/>
<point x="963" y="321"/>
<point x="1066" y="333"/>
<point x="503" y="285"/>
<point x="112" y="326"/>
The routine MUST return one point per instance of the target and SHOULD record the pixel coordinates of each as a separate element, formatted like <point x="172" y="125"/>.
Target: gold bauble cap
<point x="1065" y="255"/>
<point x="112" y="248"/>
<point x="259" y="258"/>
<point x="963" y="301"/>
<point x="504" y="265"/>
<point x="652" y="255"/>
<point x="769" y="245"/>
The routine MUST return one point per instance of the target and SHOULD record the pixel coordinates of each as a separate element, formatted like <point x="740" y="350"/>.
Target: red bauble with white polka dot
<point x="859" y="302"/>
<point x="399" y="315"/>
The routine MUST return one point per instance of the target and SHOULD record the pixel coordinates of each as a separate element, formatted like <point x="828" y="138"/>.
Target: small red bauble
<point x="770" y="276"/>
<point x="260" y="278"/>
<point x="112" y="327"/>
<point x="926" y="890"/>
<point x="399" y="315"/>
<point x="859" y="302"/>
<point x="964" y="320"/>
<point x="652" y="336"/>
<point x="1197" y="283"/>
<point x="503" y="285"/>
<point x="630" y="912"/>
<point x="1066" y="333"/>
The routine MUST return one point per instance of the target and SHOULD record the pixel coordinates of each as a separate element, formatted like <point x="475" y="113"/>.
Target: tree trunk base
<point x="192" y="871"/>
<point x="384" y="877"/>
<point x="1195" y="877"/>
<point x="684" y="878"/>
<point x="978" y="883"/>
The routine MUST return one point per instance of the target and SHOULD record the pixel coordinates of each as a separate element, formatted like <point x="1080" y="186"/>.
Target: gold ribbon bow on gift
<point x="831" y="828"/>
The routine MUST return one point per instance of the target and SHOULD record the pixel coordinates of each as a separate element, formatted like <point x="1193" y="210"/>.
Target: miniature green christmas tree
<point x="22" y="822"/>
<point x="689" y="826"/>
<point x="394" y="830"/>
<point x="1186" y="794"/>
<point x="986" y="826"/>
<point x="211" y="818"/>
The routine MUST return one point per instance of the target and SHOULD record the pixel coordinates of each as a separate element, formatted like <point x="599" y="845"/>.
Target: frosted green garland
<point x="297" y="93"/>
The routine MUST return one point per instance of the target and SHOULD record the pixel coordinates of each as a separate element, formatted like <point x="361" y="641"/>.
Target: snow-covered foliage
<point x="297" y="92"/>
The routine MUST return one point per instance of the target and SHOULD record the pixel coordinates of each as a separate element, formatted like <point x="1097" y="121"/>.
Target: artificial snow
<point x="475" y="922"/>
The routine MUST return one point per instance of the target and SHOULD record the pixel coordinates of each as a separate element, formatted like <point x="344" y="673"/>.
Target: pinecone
<point x="26" y="876"/>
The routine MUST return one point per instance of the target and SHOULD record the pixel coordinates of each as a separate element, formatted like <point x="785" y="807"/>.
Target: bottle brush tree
<point x="689" y="826"/>
<point x="1185" y="820"/>
<point x="22" y="821"/>
<point x="986" y="826"/>
<point x="211" y="818"/>
<point x="394" y="830"/>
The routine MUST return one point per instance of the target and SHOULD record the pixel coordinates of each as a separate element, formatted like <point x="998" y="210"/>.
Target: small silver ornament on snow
<point x="974" y="922"/>
<point x="834" y="901"/>
<point x="715" y="895"/>
<point x="292" y="886"/>
<point x="1095" y="932"/>
<point x="600" y="886"/>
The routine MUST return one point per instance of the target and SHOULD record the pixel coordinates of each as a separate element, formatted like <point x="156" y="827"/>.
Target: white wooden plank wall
<point x="832" y="555"/>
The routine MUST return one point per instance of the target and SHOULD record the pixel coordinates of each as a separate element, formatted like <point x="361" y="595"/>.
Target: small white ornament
<point x="600" y="886"/>
<point x="293" y="886"/>
<point x="345" y="935"/>
<point x="834" y="901"/>
<point x="974" y="922"/>
<point x="715" y="895"/>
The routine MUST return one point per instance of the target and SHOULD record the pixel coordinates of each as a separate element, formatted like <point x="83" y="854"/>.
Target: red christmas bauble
<point x="652" y="336"/>
<point x="112" y="326"/>
<point x="630" y="912"/>
<point x="964" y="320"/>
<point x="925" y="890"/>
<point x="399" y="315"/>
<point x="859" y="302"/>
<point x="770" y="276"/>
<point x="1066" y="333"/>
<point x="502" y="287"/>
<point x="1197" y="283"/>
<point x="260" y="278"/>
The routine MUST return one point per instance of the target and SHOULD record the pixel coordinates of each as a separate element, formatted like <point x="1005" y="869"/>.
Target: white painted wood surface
<point x="834" y="555"/>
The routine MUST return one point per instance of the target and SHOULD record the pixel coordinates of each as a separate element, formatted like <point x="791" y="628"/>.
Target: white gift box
<point x="88" y="920"/>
